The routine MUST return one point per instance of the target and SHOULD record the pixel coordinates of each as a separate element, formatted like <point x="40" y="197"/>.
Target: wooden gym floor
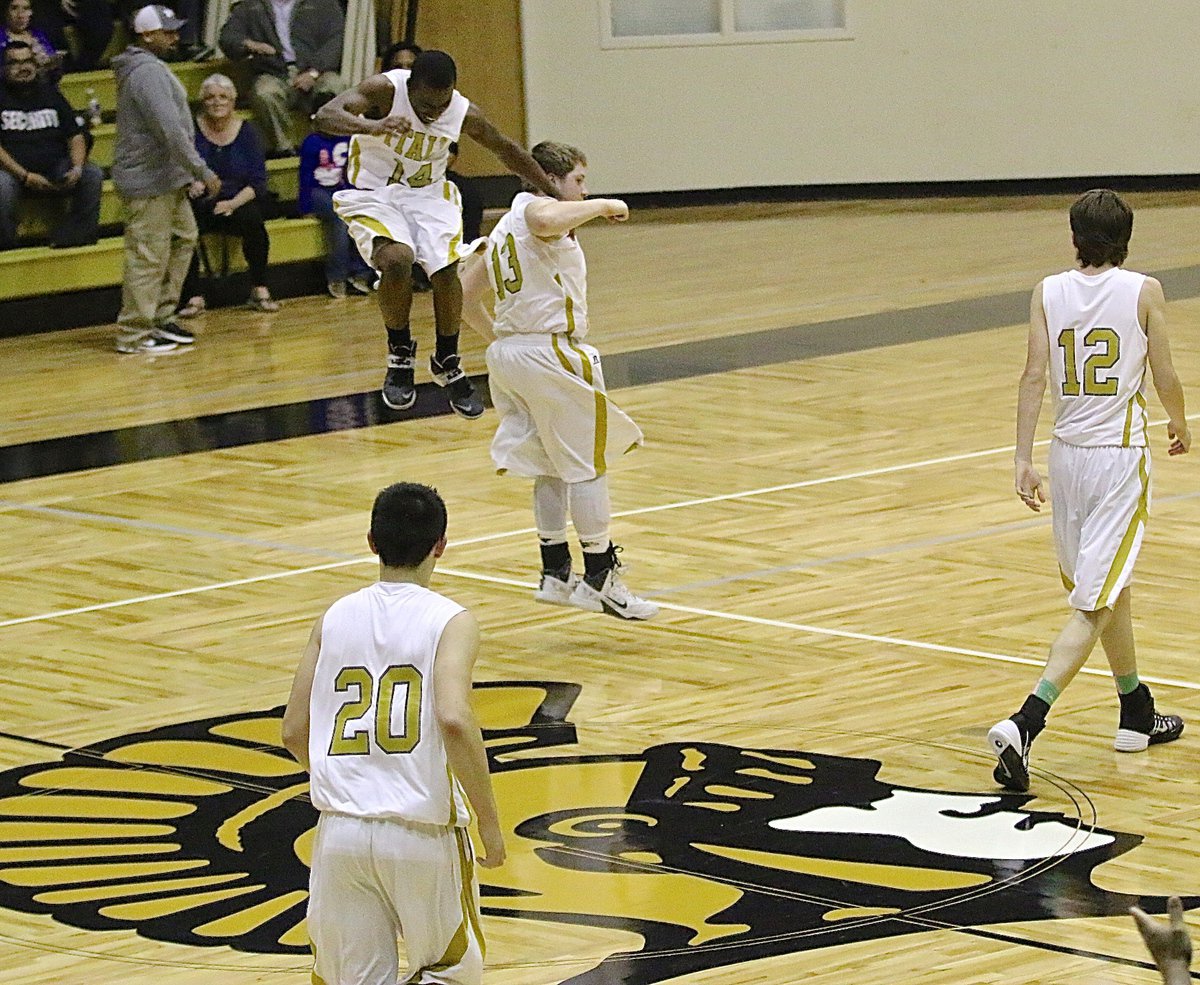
<point x="783" y="778"/>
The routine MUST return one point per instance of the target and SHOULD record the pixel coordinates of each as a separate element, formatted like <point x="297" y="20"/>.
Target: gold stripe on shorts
<point x="1139" y="517"/>
<point x="468" y="926"/>
<point x="600" y="434"/>
<point x="466" y="860"/>
<point x="600" y="442"/>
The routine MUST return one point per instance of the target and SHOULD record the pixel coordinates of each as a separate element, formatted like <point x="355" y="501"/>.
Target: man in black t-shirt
<point x="43" y="152"/>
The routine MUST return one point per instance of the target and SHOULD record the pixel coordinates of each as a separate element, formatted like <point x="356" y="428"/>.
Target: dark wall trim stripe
<point x="671" y="362"/>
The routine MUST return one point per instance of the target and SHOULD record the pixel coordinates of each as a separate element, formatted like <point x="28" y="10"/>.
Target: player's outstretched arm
<point x="1169" y="943"/>
<point x="1029" y="404"/>
<point x="363" y="109"/>
<point x="452" y="667"/>
<point x="511" y="154"/>
<point x="477" y="295"/>
<point x="550" y="219"/>
<point x="1152" y="312"/>
<point x="296" y="717"/>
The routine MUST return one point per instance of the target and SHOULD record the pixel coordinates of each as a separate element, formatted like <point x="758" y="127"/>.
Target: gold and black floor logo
<point x="714" y="854"/>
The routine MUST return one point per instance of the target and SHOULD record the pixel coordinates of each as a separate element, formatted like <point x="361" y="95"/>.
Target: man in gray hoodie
<point x="155" y="168"/>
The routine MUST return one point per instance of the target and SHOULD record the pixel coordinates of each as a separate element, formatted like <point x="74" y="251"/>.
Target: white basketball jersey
<point x="416" y="159"/>
<point x="540" y="285"/>
<point x="1097" y="357"/>
<point x="375" y="748"/>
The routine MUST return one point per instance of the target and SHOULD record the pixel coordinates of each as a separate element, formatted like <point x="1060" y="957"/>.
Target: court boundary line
<point x="680" y="504"/>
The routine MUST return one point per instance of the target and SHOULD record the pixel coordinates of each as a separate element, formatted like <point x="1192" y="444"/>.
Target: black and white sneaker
<point x="555" y="587"/>
<point x="448" y="373"/>
<point x="1141" y="726"/>
<point x="175" y="332"/>
<point x="144" y="342"/>
<point x="1010" y="743"/>
<point x="605" y="592"/>
<point x="399" y="388"/>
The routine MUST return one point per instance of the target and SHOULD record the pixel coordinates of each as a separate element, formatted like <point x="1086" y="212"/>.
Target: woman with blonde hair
<point x="235" y="152"/>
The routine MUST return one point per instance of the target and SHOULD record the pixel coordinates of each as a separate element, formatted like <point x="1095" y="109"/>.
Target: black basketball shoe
<point x="399" y="388"/>
<point x="1010" y="743"/>
<point x="448" y="373"/>
<point x="1141" y="726"/>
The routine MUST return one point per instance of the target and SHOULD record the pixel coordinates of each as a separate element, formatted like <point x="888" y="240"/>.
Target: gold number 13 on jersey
<point x="1107" y="344"/>
<point x="507" y="272"/>
<point x="361" y="688"/>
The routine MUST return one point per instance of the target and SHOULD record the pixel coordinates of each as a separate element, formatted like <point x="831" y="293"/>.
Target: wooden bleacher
<point x="39" y="215"/>
<point x="30" y="272"/>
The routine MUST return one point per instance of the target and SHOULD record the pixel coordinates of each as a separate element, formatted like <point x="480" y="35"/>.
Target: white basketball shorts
<point x="1100" y="503"/>
<point x="555" y="417"/>
<point x="427" y="220"/>
<point x="376" y="880"/>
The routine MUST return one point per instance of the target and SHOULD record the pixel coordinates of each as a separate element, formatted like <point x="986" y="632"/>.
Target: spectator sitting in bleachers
<point x="234" y="151"/>
<point x="18" y="26"/>
<point x="43" y="153"/>
<point x="323" y="172"/>
<point x="92" y="21"/>
<point x="293" y="49"/>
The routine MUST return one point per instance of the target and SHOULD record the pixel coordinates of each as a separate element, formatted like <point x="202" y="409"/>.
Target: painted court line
<point x="757" y="620"/>
<point x="835" y="633"/>
<point x="483" y="538"/>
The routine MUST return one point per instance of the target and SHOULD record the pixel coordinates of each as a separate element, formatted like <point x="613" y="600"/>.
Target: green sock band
<point x="1127" y="683"/>
<point x="1047" y="691"/>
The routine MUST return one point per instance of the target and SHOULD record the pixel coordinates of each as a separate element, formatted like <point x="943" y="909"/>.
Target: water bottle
<point x="94" y="114"/>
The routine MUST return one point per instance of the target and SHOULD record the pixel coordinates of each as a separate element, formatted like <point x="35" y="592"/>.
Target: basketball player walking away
<point x="380" y="716"/>
<point x="403" y="208"/>
<point x="557" y="424"/>
<point x="1096" y="327"/>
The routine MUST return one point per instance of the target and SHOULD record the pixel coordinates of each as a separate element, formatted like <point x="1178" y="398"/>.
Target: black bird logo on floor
<point x="683" y="857"/>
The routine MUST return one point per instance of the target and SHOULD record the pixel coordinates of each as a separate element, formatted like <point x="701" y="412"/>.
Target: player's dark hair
<point x="1101" y="224"/>
<point x="434" y="70"/>
<point x="389" y="56"/>
<point x="407" y="521"/>
<point x="557" y="160"/>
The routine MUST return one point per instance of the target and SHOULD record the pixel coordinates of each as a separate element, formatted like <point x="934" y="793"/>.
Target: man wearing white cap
<point x="155" y="168"/>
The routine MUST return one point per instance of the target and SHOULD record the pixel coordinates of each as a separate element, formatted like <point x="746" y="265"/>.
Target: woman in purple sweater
<point x="235" y="152"/>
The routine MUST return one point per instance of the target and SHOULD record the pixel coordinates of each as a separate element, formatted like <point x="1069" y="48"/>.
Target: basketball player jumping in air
<point x="557" y="426"/>
<point x="1097" y="328"/>
<point x="403" y="209"/>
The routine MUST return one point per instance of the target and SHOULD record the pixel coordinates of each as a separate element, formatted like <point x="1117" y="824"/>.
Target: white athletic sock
<point x="550" y="509"/>
<point x="591" y="513"/>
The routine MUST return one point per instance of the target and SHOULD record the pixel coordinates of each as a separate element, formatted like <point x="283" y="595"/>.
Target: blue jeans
<point x="80" y="225"/>
<point x="342" y="258"/>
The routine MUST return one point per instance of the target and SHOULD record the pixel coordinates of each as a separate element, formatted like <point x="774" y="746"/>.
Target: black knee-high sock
<point x="447" y="345"/>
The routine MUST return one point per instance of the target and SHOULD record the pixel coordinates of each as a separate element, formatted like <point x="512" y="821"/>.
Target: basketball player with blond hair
<point x="380" y="716"/>
<point x="557" y="426"/>
<point x="1095" y="329"/>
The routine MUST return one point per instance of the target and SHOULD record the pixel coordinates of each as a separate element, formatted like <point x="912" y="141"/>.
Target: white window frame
<point x="727" y="35"/>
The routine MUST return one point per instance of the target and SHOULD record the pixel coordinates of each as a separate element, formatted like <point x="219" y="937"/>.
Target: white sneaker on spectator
<point x="148" y="342"/>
